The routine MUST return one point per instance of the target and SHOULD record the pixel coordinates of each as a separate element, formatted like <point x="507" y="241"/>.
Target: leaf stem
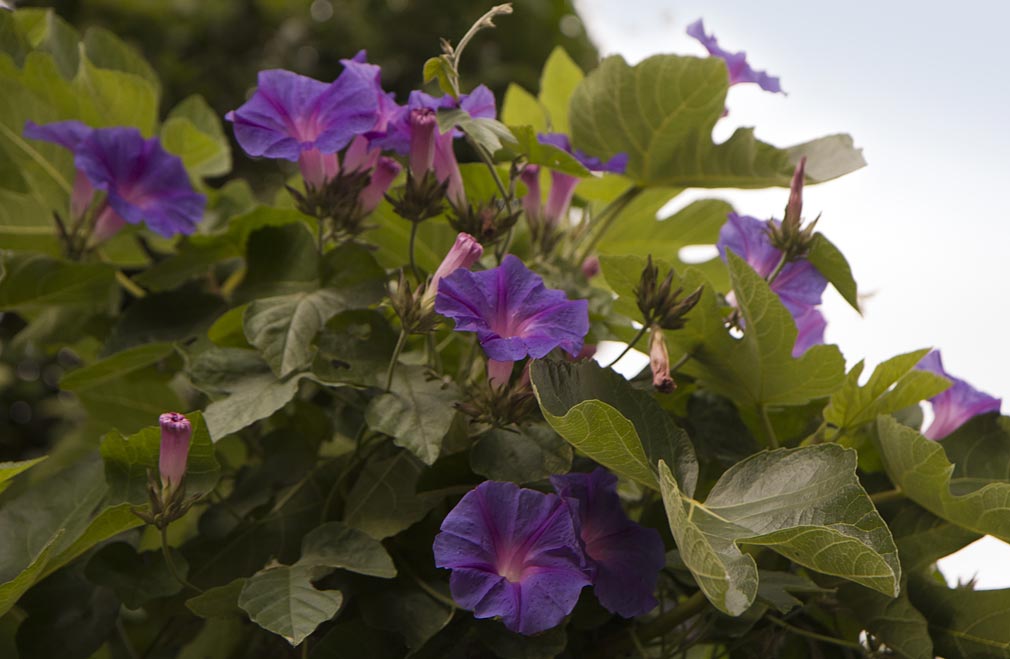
<point x="628" y="347"/>
<point x="799" y="631"/>
<point x="887" y="496"/>
<point x="607" y="218"/>
<point x="400" y="342"/>
<point x="674" y="367"/>
<point x="167" y="552"/>
<point x="773" y="441"/>
<point x="778" y="269"/>
<point x="485" y="21"/>
<point x="132" y="287"/>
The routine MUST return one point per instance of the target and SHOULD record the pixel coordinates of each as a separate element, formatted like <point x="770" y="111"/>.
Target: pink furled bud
<point x="175" y="435"/>
<point x="591" y="267"/>
<point x="659" y="362"/>
<point x="386" y="170"/>
<point x="80" y="199"/>
<point x="108" y="224"/>
<point x="447" y="169"/>
<point x="499" y="373"/>
<point x="318" y="167"/>
<point x="530" y="177"/>
<point x="464" y="253"/>
<point x="795" y="206"/>
<point x="359" y="157"/>
<point x="423" y="129"/>
<point x="560" y="197"/>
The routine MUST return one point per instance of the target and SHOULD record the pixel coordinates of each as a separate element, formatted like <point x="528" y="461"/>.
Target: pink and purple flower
<point x="955" y="406"/>
<point x="142" y="181"/>
<point x="739" y="70"/>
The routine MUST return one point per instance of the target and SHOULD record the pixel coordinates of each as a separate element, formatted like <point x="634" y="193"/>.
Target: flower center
<point x="512" y="568"/>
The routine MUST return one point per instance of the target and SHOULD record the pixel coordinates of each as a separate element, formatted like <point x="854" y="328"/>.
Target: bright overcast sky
<point x="926" y="95"/>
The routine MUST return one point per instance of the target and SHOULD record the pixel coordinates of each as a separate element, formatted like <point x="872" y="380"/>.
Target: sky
<point x="925" y="95"/>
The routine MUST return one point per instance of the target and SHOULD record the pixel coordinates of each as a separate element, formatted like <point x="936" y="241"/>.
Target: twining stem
<point x="777" y="270"/>
<point x="506" y="197"/>
<point x="852" y="645"/>
<point x="628" y="347"/>
<point x="131" y="286"/>
<point x="674" y="367"/>
<point x="395" y="358"/>
<point x="485" y="21"/>
<point x="887" y="496"/>
<point x="171" y="563"/>
<point x="773" y="440"/>
<point x="606" y="218"/>
<point x="662" y="624"/>
<point x="413" y="264"/>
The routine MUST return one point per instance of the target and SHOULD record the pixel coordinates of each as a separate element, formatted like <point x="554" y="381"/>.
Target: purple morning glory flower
<point x="514" y="554"/>
<point x="293" y="117"/>
<point x="624" y="558"/>
<point x="799" y="285"/>
<point x="955" y="406"/>
<point x="176" y="432"/>
<point x="142" y="181"/>
<point x="512" y="312"/>
<point x="739" y="70"/>
<point x="562" y="185"/>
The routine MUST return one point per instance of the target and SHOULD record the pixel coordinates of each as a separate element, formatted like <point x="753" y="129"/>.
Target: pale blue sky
<point x="926" y="95"/>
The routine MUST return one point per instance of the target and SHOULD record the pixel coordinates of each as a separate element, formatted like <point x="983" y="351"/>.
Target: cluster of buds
<point x="546" y="220"/>
<point x="167" y="494"/>
<point x="416" y="306"/>
<point x="661" y="305"/>
<point x="488" y="221"/>
<point x="502" y="399"/>
<point x="790" y="236"/>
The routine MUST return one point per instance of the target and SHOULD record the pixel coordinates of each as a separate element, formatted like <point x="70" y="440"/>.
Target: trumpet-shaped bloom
<point x="624" y="558"/>
<point x="799" y="284"/>
<point x="739" y="70"/>
<point x="955" y="406"/>
<point x="514" y="554"/>
<point x="142" y="181"/>
<point x="512" y="312"/>
<point x="176" y="432"/>
<point x="293" y="117"/>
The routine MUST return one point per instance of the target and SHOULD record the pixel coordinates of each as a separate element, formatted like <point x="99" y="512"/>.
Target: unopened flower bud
<point x="789" y="236"/>
<point x="360" y="157"/>
<point x="176" y="432"/>
<point x="463" y="254"/>
<point x="386" y="170"/>
<point x="659" y="302"/>
<point x="591" y="267"/>
<point x="447" y="170"/>
<point x="559" y="198"/>
<point x="423" y="127"/>
<point x="317" y="167"/>
<point x="659" y="362"/>
<point x="530" y="176"/>
<point x="794" y="209"/>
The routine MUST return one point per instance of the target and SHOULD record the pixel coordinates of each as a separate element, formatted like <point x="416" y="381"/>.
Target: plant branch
<point x="621" y="643"/>
<point x="773" y="440"/>
<point x="887" y="496"/>
<point x="799" y="631"/>
<point x="400" y="342"/>
<point x="607" y="218"/>
<point x="627" y="348"/>
<point x="167" y="552"/>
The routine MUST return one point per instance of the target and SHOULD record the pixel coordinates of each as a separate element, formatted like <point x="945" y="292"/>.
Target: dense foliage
<point x="395" y="440"/>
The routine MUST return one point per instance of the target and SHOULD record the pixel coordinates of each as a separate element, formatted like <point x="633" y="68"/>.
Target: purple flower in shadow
<point x="514" y="554"/>
<point x="512" y="312"/>
<point x="955" y="406"/>
<point x="293" y="117"/>
<point x="562" y="185"/>
<point x="142" y="181"/>
<point x="739" y="70"/>
<point x="799" y="284"/>
<point x="624" y="558"/>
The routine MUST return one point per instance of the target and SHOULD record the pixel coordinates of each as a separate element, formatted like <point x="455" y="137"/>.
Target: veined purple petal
<point x="810" y="326"/>
<point x="372" y="73"/>
<point x="624" y="557"/>
<point x="144" y="183"/>
<point x="739" y="70"/>
<point x="67" y="134"/>
<point x="478" y="104"/>
<point x="955" y="406"/>
<point x="512" y="312"/>
<point x="616" y="165"/>
<point x="290" y="113"/>
<point x="514" y="555"/>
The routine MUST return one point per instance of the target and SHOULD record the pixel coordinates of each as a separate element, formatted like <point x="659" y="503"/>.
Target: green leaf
<point x="282" y="600"/>
<point x="135" y="577"/>
<point x="438" y="68"/>
<point x="417" y="412"/>
<point x="806" y="504"/>
<point x="392" y="236"/>
<point x="56" y="521"/>
<point x="193" y="132"/>
<point x="128" y="460"/>
<point x="384" y="499"/>
<point x="623" y="429"/>
<point x="623" y="274"/>
<point x="547" y="155"/>
<point x="923" y="538"/>
<point x="530" y="454"/>
<point x="491" y="134"/>
<point x="354" y="348"/>
<point x="9" y="470"/>
<point x="777" y="588"/>
<point x="116" y="366"/>
<point x="118" y="98"/>
<point x="219" y="602"/>
<point x="279" y="260"/>
<point x="974" y="491"/>
<point x="758" y="369"/>
<point x="558" y="81"/>
<point x="510" y="645"/>
<point x="831" y="263"/>
<point x="661" y="112"/>
<point x="895" y="621"/>
<point x="893" y="386"/>
<point x="521" y="108"/>
<point x="406" y="610"/>
<point x="283" y="327"/>
<point x="33" y="281"/>
<point x="963" y="622"/>
<point x="107" y="51"/>
<point x="338" y="546"/>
